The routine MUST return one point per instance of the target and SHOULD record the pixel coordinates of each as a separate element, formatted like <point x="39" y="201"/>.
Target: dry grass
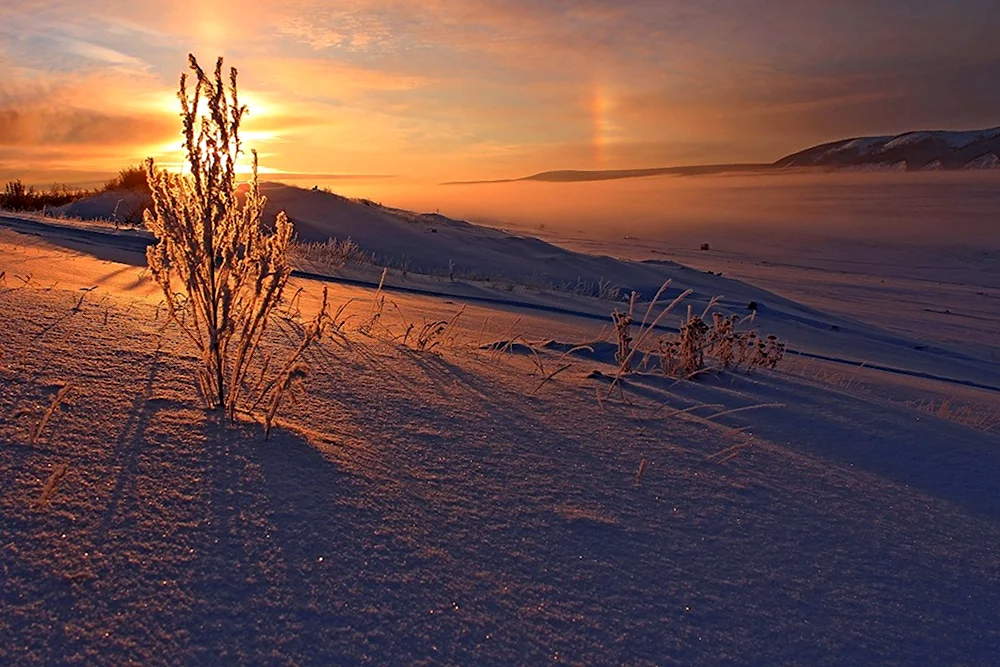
<point x="378" y="306"/>
<point x="623" y="332"/>
<point x="57" y="401"/>
<point x="814" y="370"/>
<point x="294" y="371"/>
<point x="221" y="275"/>
<point x="646" y="329"/>
<point x="331" y="255"/>
<point x="642" y="471"/>
<point x="292" y="377"/>
<point x="508" y="341"/>
<point x="978" y="416"/>
<point x="548" y="376"/>
<point x="51" y="484"/>
<point x="432" y="334"/>
<point x="981" y="415"/>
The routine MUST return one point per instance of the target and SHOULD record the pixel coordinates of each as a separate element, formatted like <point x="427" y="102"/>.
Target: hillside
<point x="911" y="151"/>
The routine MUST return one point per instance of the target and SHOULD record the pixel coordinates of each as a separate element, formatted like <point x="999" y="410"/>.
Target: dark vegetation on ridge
<point x="20" y="197"/>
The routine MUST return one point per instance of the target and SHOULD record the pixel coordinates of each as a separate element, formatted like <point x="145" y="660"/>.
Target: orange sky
<point x="477" y="89"/>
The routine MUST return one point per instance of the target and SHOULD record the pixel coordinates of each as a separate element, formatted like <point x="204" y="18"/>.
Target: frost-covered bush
<point x="684" y="353"/>
<point x="221" y="275"/>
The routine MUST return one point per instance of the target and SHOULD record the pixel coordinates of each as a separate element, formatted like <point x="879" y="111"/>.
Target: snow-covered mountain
<point x="912" y="151"/>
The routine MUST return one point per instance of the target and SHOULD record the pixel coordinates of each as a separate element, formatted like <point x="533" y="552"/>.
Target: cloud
<point x="98" y="53"/>
<point x="79" y="127"/>
<point x="326" y="79"/>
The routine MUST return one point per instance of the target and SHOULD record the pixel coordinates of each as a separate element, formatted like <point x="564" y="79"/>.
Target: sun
<point x="261" y="118"/>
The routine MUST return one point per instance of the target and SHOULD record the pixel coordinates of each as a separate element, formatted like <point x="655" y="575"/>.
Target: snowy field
<point x="464" y="505"/>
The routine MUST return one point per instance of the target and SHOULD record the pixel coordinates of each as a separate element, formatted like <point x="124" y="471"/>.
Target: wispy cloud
<point x="79" y="127"/>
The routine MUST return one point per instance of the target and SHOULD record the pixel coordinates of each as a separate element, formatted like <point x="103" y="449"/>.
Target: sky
<point x="441" y="90"/>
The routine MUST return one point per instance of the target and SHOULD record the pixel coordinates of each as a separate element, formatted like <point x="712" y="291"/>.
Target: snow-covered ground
<point x="448" y="507"/>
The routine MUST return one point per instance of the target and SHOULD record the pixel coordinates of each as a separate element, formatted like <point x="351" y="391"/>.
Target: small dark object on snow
<point x="705" y="246"/>
<point x="834" y="327"/>
<point x="433" y="231"/>
<point x="752" y="306"/>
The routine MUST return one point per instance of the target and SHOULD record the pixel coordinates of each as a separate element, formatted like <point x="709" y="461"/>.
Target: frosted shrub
<point x="329" y="255"/>
<point x="769" y="353"/>
<point x="211" y="245"/>
<point x="693" y="338"/>
<point x="724" y="339"/>
<point x="684" y="353"/>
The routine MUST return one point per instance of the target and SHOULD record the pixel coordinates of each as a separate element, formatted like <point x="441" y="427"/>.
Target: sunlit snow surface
<point x="450" y="507"/>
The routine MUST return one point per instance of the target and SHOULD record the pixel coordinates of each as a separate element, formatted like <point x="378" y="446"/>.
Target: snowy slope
<point x="429" y="242"/>
<point x="417" y="508"/>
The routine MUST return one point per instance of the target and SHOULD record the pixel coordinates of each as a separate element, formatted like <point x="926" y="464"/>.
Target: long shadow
<point x="322" y="552"/>
<point x="530" y="534"/>
<point x="54" y="323"/>
<point x="441" y="373"/>
<point x="58" y="593"/>
<point x="129" y="444"/>
<point x="298" y="564"/>
<point x="945" y="459"/>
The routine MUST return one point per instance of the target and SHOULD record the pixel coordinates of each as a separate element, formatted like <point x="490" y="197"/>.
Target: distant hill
<point x="576" y="176"/>
<point x="925" y="150"/>
<point x="912" y="151"/>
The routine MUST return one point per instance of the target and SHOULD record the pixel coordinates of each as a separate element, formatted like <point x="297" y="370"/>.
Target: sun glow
<point x="262" y="114"/>
<point x="171" y="157"/>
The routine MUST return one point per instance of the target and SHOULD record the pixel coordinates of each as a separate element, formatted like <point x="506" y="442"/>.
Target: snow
<point x="906" y="140"/>
<point x="442" y="508"/>
<point x="954" y="140"/>
<point x="122" y="206"/>
<point x="987" y="161"/>
<point x="861" y="145"/>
